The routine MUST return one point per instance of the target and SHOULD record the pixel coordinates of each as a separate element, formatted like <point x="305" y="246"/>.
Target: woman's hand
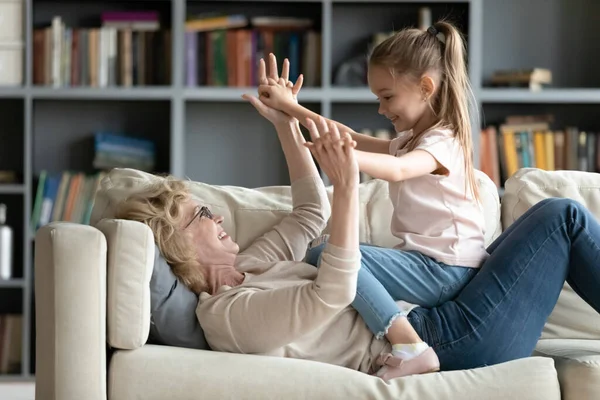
<point x="272" y="114"/>
<point x="334" y="151"/>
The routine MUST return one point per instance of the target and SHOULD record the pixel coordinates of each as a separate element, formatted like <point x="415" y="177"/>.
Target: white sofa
<point x="92" y="293"/>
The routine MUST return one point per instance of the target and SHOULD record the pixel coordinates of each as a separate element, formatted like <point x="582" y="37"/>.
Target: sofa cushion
<point x="173" y="319"/>
<point x="160" y="372"/>
<point x="572" y="318"/>
<point x="130" y="263"/>
<point x="248" y="212"/>
<point x="251" y="212"/>
<point x="578" y="365"/>
<point x="146" y="301"/>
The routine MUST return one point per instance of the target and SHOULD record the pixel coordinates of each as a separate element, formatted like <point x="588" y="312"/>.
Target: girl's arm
<point x="394" y="169"/>
<point x="363" y="142"/>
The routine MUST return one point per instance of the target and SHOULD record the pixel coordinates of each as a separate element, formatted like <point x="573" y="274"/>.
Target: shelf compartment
<point x="356" y="24"/>
<point x="242" y="150"/>
<point x="228" y="58"/>
<point x="81" y="29"/>
<point x="567" y="45"/>
<point x="15" y="220"/>
<point x="582" y="116"/>
<point x="360" y="116"/>
<point x="12" y="139"/>
<point x="67" y="143"/>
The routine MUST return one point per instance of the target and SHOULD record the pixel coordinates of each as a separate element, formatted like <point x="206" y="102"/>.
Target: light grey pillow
<point x="173" y="320"/>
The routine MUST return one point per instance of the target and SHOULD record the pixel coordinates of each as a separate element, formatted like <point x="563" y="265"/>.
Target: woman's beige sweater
<point x="288" y="308"/>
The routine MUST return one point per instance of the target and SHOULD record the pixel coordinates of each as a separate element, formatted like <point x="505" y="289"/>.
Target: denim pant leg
<point x="388" y="275"/>
<point x="500" y="314"/>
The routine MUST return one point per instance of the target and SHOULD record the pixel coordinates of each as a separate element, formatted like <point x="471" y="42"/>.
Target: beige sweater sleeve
<point x="289" y="239"/>
<point x="251" y="320"/>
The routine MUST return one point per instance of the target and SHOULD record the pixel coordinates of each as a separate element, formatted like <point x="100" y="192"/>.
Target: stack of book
<point x="67" y="196"/>
<point x="119" y="151"/>
<point x="527" y="142"/>
<point x="534" y="78"/>
<point x="128" y="49"/>
<point x="223" y="50"/>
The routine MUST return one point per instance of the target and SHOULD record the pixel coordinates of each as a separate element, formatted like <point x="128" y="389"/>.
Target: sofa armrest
<point x="70" y="305"/>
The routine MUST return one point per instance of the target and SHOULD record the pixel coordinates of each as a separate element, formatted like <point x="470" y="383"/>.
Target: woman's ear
<point x="427" y="87"/>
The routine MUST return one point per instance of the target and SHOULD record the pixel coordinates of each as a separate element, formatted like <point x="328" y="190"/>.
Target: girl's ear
<point x="427" y="87"/>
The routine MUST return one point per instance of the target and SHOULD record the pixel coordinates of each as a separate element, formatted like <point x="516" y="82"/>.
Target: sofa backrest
<point x="251" y="212"/>
<point x="248" y="214"/>
<point x="572" y="318"/>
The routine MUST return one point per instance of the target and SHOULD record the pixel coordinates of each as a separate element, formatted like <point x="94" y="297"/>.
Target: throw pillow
<point x="173" y="320"/>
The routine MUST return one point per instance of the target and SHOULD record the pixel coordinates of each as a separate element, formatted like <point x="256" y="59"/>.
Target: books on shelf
<point x="121" y="52"/>
<point x="11" y="343"/>
<point x="225" y="50"/>
<point x="67" y="196"/>
<point x="533" y="78"/>
<point x="506" y="148"/>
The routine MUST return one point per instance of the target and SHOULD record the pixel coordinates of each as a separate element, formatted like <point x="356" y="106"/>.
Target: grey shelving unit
<point x="210" y="134"/>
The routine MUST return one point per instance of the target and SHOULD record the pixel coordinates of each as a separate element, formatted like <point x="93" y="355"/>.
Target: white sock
<point x="408" y="351"/>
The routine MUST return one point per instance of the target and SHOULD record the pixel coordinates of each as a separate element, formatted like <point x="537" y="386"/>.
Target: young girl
<point x="421" y="81"/>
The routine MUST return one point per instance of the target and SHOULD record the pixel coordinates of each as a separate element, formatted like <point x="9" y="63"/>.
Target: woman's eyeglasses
<point x="203" y="212"/>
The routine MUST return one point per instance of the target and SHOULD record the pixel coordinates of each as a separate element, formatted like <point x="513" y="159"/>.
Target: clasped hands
<point x="333" y="150"/>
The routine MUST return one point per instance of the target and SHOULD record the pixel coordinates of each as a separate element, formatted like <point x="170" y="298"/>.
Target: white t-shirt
<point x="431" y="213"/>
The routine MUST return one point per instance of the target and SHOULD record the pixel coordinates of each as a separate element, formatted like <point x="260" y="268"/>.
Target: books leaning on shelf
<point x="223" y="50"/>
<point x="128" y="49"/>
<point x="534" y="78"/>
<point x="67" y="196"/>
<point x="509" y="147"/>
<point x="11" y="342"/>
<point x="119" y="151"/>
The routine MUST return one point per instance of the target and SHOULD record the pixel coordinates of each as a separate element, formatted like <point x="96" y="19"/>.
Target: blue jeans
<point x="388" y="275"/>
<point x="500" y="314"/>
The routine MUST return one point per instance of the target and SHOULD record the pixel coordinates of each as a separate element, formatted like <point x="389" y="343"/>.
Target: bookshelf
<point x="211" y="134"/>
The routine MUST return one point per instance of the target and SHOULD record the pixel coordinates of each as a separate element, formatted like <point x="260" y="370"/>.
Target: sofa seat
<point x="158" y="372"/>
<point x="578" y="364"/>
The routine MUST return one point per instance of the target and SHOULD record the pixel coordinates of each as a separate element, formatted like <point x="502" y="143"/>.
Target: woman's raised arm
<point x="311" y="209"/>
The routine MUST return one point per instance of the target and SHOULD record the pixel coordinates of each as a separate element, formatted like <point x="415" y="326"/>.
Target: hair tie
<point x="439" y="35"/>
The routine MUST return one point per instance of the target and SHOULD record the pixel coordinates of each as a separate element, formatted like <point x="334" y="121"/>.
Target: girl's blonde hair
<point x="413" y="53"/>
<point x="160" y="207"/>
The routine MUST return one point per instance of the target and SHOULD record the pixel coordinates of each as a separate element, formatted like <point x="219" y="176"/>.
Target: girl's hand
<point x="278" y="91"/>
<point x="265" y="108"/>
<point x="334" y="151"/>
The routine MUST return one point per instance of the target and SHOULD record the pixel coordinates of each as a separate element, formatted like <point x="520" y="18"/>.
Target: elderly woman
<point x="265" y="300"/>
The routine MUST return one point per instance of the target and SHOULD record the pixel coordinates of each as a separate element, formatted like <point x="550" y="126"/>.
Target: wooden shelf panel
<point x="12" y="283"/>
<point x="12" y="189"/>
<point x="111" y="93"/>
<point x="543" y="96"/>
<point x="234" y="94"/>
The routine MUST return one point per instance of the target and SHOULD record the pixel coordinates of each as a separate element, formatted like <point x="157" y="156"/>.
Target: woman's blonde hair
<point x="413" y="53"/>
<point x="160" y="207"/>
